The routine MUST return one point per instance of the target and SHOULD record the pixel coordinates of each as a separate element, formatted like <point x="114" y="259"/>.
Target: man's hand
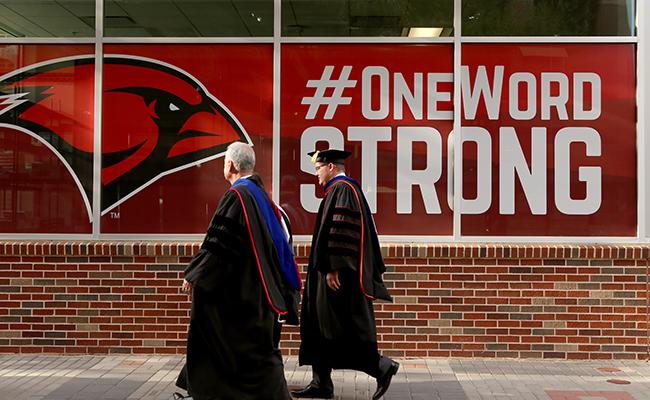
<point x="332" y="279"/>
<point x="187" y="286"/>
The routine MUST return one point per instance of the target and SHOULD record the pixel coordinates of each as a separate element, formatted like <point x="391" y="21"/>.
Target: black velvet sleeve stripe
<point x="222" y="233"/>
<point x="345" y="234"/>
<point x="214" y="246"/>
<point x="221" y="249"/>
<point x="219" y="221"/>
<point x="347" y="219"/>
<point x="341" y="250"/>
<point x="346" y="211"/>
<point x="224" y="237"/>
<point x="344" y="231"/>
<point x="355" y="226"/>
<point x="343" y="241"/>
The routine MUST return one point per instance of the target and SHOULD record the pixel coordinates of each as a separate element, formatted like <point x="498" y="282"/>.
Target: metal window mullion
<point x="277" y="30"/>
<point x="642" y="91"/>
<point x="549" y="39"/>
<point x="458" y="173"/>
<point x="97" y="119"/>
<point x="28" y="40"/>
<point x="44" y="236"/>
<point x="191" y="237"/>
<point x="568" y="240"/>
<point x="365" y="39"/>
<point x="188" y="40"/>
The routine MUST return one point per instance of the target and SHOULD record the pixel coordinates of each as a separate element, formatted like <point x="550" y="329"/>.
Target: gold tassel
<point x="314" y="157"/>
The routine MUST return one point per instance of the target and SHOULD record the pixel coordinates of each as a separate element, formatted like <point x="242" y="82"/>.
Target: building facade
<point x="501" y="146"/>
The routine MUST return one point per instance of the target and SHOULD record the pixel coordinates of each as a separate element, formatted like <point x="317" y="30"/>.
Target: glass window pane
<point x="548" y="17"/>
<point x="366" y="18"/>
<point x="47" y="18"/>
<point x="169" y="112"/>
<point x="188" y="18"/>
<point x="46" y="138"/>
<point x="393" y="112"/>
<point x="549" y="140"/>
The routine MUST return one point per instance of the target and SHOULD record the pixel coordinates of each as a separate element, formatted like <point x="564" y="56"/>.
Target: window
<point x="188" y="18"/>
<point x="46" y="18"/>
<point x="548" y="17"/>
<point x="366" y="18"/>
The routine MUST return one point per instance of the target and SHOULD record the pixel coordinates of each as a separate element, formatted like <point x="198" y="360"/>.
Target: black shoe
<point x="178" y="396"/>
<point x="314" y="392"/>
<point x="384" y="382"/>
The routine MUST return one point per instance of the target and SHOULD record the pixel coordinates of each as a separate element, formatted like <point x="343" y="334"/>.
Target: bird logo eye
<point x="173" y="107"/>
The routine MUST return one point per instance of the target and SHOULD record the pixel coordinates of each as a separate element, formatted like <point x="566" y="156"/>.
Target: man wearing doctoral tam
<point x="344" y="276"/>
<point x="244" y="282"/>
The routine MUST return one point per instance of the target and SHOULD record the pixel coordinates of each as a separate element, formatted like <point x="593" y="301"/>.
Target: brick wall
<point x="533" y="301"/>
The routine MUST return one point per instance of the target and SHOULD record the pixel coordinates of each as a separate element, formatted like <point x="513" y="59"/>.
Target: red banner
<point x="169" y="113"/>
<point x="554" y="130"/>
<point x="549" y="140"/>
<point x="46" y="138"/>
<point x="391" y="105"/>
<point x="548" y="135"/>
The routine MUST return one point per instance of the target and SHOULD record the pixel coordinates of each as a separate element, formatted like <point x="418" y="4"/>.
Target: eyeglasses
<point x="317" y="167"/>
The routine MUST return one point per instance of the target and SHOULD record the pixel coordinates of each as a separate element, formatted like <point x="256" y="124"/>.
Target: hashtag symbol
<point x="336" y="99"/>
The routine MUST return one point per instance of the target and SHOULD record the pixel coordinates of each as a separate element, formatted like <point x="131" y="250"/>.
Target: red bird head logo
<point x="157" y="119"/>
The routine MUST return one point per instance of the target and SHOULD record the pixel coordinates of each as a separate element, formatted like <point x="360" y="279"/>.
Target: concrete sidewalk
<point x="152" y="377"/>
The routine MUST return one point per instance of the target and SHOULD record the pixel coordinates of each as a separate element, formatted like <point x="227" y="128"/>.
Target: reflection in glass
<point x="47" y="18"/>
<point x="521" y="176"/>
<point x="46" y="138"/>
<point x="548" y="17"/>
<point x="188" y="18"/>
<point x="365" y="18"/>
<point x="36" y="192"/>
<point x="167" y="119"/>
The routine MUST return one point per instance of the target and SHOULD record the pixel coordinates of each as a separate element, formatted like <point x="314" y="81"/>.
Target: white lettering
<point x="579" y="81"/>
<point x="402" y="92"/>
<point x="590" y="175"/>
<point x="512" y="162"/>
<point x="559" y="101"/>
<point x="367" y="93"/>
<point x="407" y="177"/>
<point x="434" y="96"/>
<point x="471" y="95"/>
<point x="450" y="170"/>
<point x="531" y="96"/>
<point x="308" y="140"/>
<point x="369" y="136"/>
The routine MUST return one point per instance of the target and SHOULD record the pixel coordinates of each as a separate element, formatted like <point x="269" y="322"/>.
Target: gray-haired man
<point x="244" y="280"/>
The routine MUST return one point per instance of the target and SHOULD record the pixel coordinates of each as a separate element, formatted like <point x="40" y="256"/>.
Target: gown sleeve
<point x="224" y="241"/>
<point x="344" y="232"/>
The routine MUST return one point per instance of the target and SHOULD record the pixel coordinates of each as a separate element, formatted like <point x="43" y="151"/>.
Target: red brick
<point x="478" y="285"/>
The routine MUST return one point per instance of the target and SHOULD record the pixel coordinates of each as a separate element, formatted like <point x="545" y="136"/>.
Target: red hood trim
<point x="257" y="258"/>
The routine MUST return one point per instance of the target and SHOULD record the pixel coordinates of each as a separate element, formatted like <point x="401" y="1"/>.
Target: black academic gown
<point x="337" y="328"/>
<point x="232" y="344"/>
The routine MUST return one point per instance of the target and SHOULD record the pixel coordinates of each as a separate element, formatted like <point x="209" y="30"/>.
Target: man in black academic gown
<point x="344" y="276"/>
<point x="244" y="281"/>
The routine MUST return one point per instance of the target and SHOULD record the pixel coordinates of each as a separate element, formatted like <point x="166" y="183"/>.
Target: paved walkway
<point x="40" y="377"/>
